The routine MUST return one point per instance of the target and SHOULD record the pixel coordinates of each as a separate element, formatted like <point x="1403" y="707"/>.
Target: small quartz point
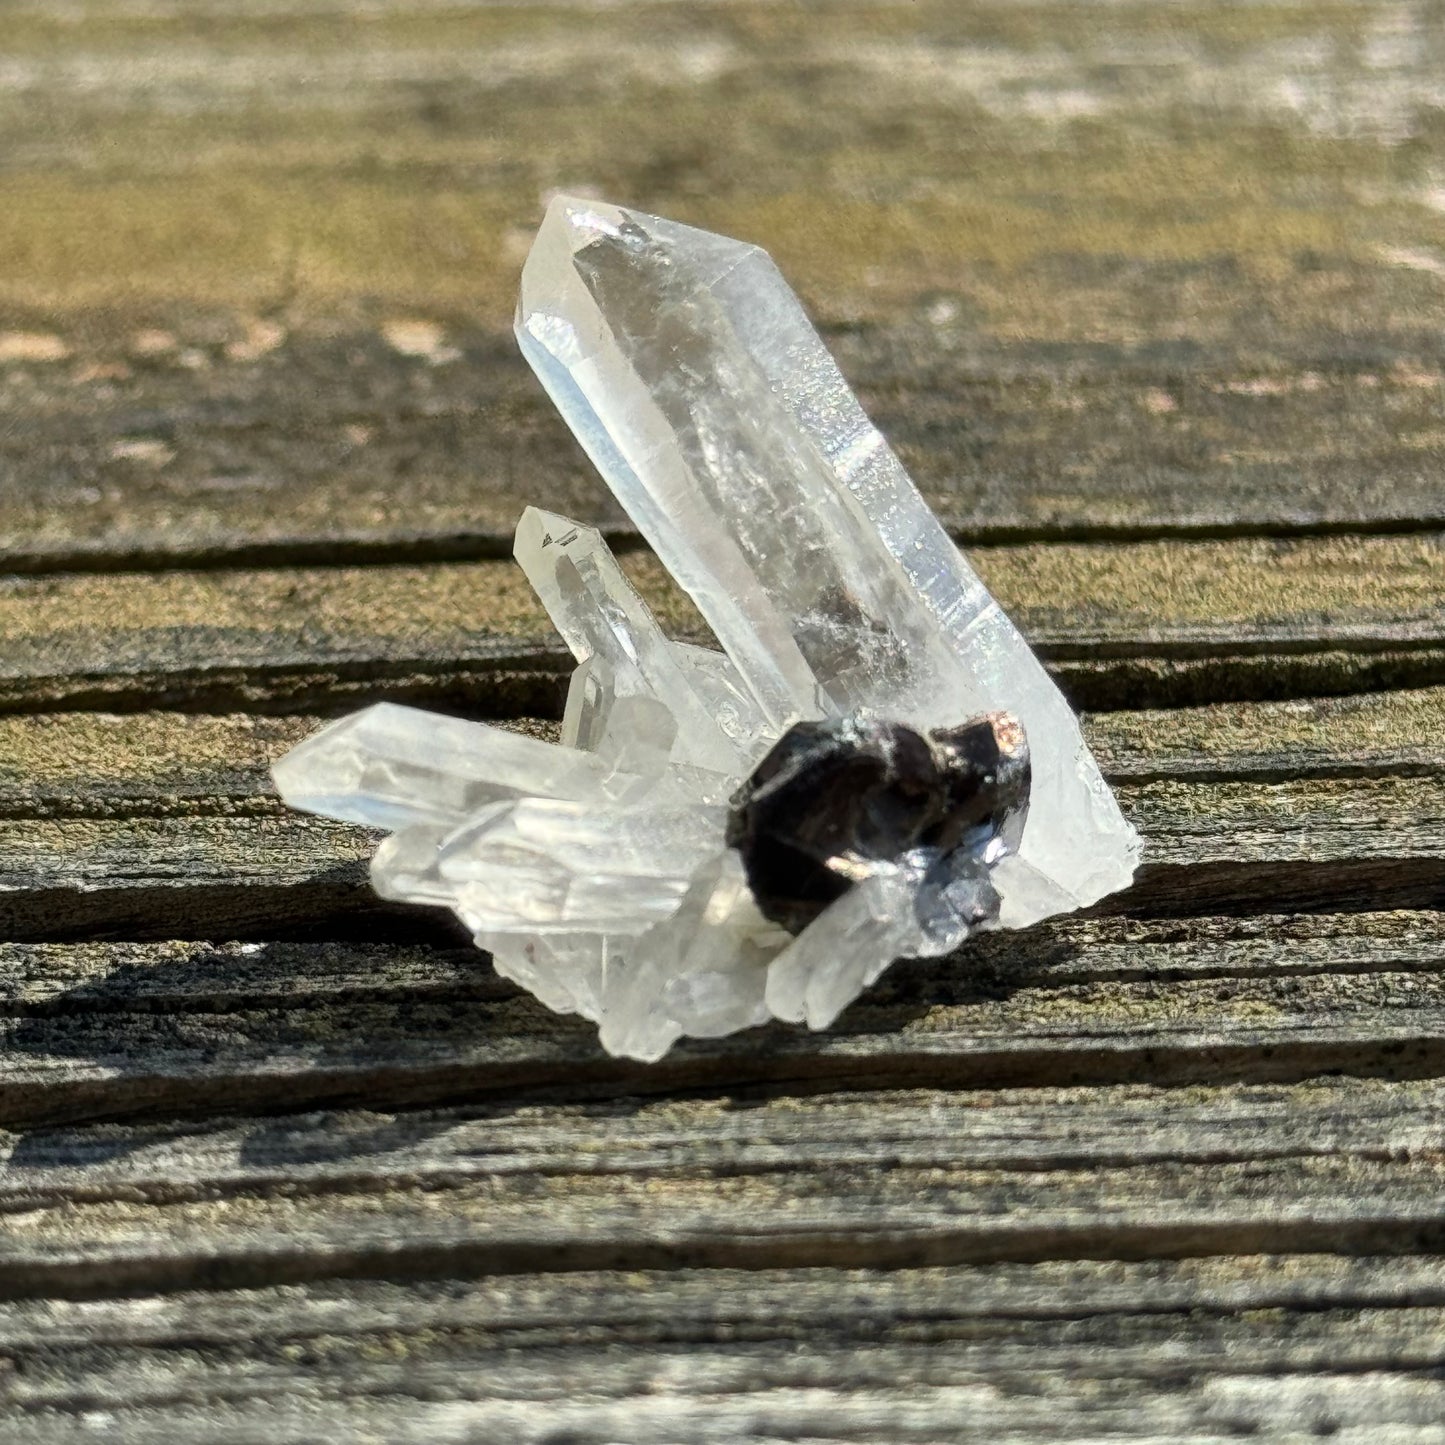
<point x="391" y="767"/>
<point x="607" y="624"/>
<point x="873" y="766"/>
<point x="543" y="865"/>
<point x="834" y="959"/>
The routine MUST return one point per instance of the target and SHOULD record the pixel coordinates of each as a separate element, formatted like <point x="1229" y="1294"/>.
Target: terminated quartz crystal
<point x="874" y="766"/>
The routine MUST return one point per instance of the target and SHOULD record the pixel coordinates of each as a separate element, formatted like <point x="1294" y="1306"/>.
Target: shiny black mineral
<point x="833" y="797"/>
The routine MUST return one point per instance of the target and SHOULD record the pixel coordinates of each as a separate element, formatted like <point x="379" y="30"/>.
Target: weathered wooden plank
<point x="154" y="764"/>
<point x="109" y="1030"/>
<point x="43" y="980"/>
<point x="944" y="1306"/>
<point x="1329" y="844"/>
<point x="164" y="825"/>
<point x="1184" y="276"/>
<point x="794" y="1402"/>
<point x="341" y="449"/>
<point x="1182" y="281"/>
<point x="1169" y="622"/>
<point x="928" y="1329"/>
<point x="1366" y="734"/>
<point x="204" y="873"/>
<point x="1022" y="1132"/>
<point x="872" y="1181"/>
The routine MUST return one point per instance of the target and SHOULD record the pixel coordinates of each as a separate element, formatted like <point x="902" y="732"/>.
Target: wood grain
<point x="1166" y="270"/>
<point x="1331" y="1339"/>
<point x="162" y="826"/>
<point x="877" y="1180"/>
<point x="1231" y="848"/>
<point x="111" y="1030"/>
<point x="1397" y="1407"/>
<point x="1165" y="623"/>
<point x="169" y="764"/>
<point x="339" y="448"/>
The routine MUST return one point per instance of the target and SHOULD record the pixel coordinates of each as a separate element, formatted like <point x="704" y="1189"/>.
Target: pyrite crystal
<point x="874" y="766"/>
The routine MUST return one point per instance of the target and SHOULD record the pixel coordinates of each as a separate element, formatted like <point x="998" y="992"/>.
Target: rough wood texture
<point x="1305" y="1346"/>
<point x="1155" y="623"/>
<point x="1151" y="298"/>
<point x="117" y="1029"/>
<point x="1099" y="273"/>
<point x="157" y="825"/>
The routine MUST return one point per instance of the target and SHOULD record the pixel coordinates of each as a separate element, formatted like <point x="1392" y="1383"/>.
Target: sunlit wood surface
<point x="1151" y="297"/>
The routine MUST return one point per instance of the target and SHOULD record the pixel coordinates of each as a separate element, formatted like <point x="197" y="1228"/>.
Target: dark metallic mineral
<point x="833" y="797"/>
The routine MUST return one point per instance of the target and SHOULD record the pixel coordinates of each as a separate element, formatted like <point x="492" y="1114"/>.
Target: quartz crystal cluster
<point x="875" y="764"/>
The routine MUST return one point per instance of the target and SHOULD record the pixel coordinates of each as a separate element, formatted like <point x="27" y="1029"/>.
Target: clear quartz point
<point x="597" y="870"/>
<point x="601" y="617"/>
<point x="820" y="972"/>
<point x="390" y="766"/>
<point x="543" y="865"/>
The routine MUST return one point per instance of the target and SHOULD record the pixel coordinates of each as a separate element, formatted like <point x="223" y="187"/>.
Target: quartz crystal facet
<point x="874" y="766"/>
